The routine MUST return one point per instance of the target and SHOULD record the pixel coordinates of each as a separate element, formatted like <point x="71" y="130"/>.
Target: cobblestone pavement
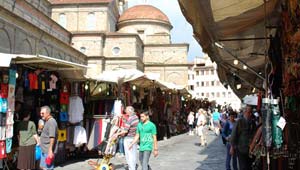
<point x="181" y="152"/>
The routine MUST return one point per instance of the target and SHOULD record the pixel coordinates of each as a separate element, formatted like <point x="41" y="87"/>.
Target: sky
<point x="182" y="31"/>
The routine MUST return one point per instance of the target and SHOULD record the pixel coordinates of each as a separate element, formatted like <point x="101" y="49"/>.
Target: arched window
<point x="91" y="21"/>
<point x="62" y="20"/>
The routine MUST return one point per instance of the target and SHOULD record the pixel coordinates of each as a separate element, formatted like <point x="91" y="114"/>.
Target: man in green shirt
<point x="146" y="133"/>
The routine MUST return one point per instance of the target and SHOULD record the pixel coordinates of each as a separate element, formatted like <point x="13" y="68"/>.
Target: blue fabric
<point x="121" y="145"/>
<point x="63" y="116"/>
<point x="43" y="162"/>
<point x="216" y="116"/>
<point x="12" y="77"/>
<point x="38" y="152"/>
<point x="8" y="143"/>
<point x="3" y="105"/>
<point x="228" y="159"/>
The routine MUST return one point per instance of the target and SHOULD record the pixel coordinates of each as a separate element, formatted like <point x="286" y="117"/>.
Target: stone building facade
<point x="139" y="38"/>
<point x="204" y="83"/>
<point x="103" y="34"/>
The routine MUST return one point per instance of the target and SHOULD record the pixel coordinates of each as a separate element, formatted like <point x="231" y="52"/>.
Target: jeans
<point x="130" y="154"/>
<point x="43" y="164"/>
<point x="144" y="159"/>
<point x="228" y="159"/>
<point x="121" y="145"/>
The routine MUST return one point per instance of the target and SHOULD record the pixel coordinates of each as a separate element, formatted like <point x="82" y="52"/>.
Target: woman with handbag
<point x="28" y="139"/>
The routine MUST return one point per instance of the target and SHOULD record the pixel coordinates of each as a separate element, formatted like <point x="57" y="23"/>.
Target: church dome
<point x="144" y="12"/>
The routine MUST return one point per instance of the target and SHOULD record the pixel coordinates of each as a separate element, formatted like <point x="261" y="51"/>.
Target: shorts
<point x="43" y="162"/>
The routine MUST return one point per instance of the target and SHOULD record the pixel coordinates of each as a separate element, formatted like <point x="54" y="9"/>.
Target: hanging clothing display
<point x="117" y="108"/>
<point x="76" y="109"/>
<point x="80" y="137"/>
<point x="97" y="133"/>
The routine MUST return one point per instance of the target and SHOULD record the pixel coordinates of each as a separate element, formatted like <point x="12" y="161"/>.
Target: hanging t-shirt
<point x="4" y="90"/>
<point x="76" y="109"/>
<point x="64" y="98"/>
<point x="117" y="108"/>
<point x="79" y="136"/>
<point x="146" y="132"/>
<point x="52" y="82"/>
<point x="8" y="143"/>
<point x="33" y="81"/>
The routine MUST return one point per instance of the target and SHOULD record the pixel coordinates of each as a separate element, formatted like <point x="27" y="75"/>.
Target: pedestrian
<point x="130" y="131"/>
<point x="241" y="137"/>
<point x="190" y="121"/>
<point x="146" y="134"/>
<point x="201" y="124"/>
<point x="121" y="152"/>
<point x="28" y="138"/>
<point x="216" y="121"/>
<point x="48" y="139"/>
<point x="226" y="133"/>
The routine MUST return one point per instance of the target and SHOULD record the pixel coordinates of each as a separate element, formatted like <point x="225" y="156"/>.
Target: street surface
<point x="181" y="152"/>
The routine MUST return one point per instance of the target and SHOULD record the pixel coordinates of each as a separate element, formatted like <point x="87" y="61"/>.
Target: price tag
<point x="281" y="123"/>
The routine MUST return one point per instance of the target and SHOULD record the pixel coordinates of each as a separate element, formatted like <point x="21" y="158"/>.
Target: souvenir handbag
<point x="62" y="135"/>
<point x="2" y="149"/>
<point x="63" y="116"/>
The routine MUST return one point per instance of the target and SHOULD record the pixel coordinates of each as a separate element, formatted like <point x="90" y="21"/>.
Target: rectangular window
<point x="207" y="72"/>
<point x="202" y="94"/>
<point x="212" y="83"/>
<point x="189" y="77"/>
<point x="197" y="94"/>
<point x="218" y="83"/>
<point x="207" y="83"/>
<point x="191" y="87"/>
<point x="91" y="21"/>
<point x="223" y="94"/>
<point x="198" y="84"/>
<point x="197" y="73"/>
<point x="193" y="77"/>
<point x="229" y="94"/>
<point x="207" y="94"/>
<point x="212" y="72"/>
<point x="202" y="84"/>
<point x="62" y="20"/>
<point x="213" y="95"/>
<point x="218" y="94"/>
<point x="202" y="72"/>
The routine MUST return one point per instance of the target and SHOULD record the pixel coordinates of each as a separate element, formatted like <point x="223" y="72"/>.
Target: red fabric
<point x="2" y="150"/>
<point x="100" y="131"/>
<point x="64" y="98"/>
<point x="4" y="91"/>
<point x="33" y="81"/>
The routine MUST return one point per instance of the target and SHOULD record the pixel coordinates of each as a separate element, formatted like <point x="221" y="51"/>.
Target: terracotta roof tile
<point x="144" y="12"/>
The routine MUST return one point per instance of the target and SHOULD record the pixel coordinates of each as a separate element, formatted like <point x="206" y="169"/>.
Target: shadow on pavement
<point x="213" y="156"/>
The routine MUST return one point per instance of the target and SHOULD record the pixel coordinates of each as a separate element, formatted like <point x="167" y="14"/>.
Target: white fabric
<point x="130" y="154"/>
<point x="79" y="136"/>
<point x="191" y="119"/>
<point x="201" y="120"/>
<point x="9" y="131"/>
<point x="76" y="109"/>
<point x="9" y="118"/>
<point x="117" y="108"/>
<point x="2" y="132"/>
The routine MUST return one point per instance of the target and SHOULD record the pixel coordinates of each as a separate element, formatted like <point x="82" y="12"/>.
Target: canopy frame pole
<point x="235" y="57"/>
